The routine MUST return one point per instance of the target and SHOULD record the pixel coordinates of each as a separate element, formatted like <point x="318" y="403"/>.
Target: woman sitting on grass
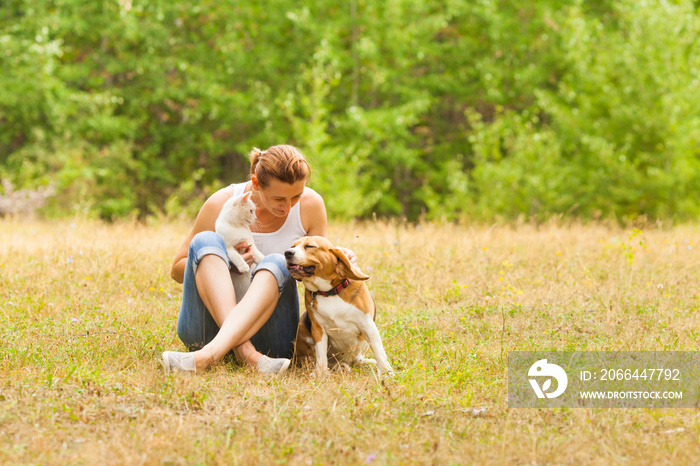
<point x="260" y="327"/>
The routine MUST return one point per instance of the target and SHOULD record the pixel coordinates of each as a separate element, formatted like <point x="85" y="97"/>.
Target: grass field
<point x="87" y="308"/>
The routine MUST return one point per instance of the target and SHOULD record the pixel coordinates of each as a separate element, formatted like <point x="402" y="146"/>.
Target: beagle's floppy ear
<point x="346" y="268"/>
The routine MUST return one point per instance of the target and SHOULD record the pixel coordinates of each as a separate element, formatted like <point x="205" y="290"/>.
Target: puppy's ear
<point x="346" y="268"/>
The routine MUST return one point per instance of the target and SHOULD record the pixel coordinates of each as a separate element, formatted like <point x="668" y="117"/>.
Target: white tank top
<point x="280" y="240"/>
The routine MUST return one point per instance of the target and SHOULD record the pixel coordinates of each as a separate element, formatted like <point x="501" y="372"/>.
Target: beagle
<point x="339" y="308"/>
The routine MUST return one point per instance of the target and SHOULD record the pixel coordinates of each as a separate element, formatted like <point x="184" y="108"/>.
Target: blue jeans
<point x="195" y="325"/>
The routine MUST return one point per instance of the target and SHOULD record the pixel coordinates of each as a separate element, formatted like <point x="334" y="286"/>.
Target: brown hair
<point x="282" y="162"/>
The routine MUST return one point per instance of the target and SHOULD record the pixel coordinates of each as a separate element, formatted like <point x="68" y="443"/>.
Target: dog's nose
<point x="288" y="254"/>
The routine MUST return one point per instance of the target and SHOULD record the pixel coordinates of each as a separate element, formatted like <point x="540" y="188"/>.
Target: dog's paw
<point x="366" y="361"/>
<point x="343" y="367"/>
<point x="320" y="373"/>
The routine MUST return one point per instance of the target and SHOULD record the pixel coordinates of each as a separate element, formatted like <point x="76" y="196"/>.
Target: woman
<point x="260" y="327"/>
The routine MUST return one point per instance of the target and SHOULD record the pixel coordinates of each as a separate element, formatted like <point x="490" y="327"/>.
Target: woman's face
<point x="278" y="197"/>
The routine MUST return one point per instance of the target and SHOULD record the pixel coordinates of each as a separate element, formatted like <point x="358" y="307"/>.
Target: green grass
<point x="87" y="308"/>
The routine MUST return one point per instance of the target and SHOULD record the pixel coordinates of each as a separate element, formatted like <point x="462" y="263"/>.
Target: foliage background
<point x="447" y="110"/>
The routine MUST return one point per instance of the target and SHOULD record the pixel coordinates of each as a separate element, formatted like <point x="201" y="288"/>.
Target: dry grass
<point x="86" y="308"/>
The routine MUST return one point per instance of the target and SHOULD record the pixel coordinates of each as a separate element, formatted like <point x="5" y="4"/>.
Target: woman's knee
<point x="277" y="266"/>
<point x="205" y="239"/>
<point x="204" y="243"/>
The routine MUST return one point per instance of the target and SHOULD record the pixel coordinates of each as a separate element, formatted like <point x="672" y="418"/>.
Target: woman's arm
<point x="206" y="220"/>
<point x="315" y="221"/>
<point x="313" y="214"/>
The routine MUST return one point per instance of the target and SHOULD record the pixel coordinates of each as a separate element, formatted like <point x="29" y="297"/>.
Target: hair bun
<point x="281" y="162"/>
<point x="254" y="154"/>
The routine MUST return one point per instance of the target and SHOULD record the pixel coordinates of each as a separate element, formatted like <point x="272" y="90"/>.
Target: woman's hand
<point x="349" y="254"/>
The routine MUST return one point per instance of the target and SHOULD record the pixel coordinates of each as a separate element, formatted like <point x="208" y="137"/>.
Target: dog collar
<point x="334" y="291"/>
